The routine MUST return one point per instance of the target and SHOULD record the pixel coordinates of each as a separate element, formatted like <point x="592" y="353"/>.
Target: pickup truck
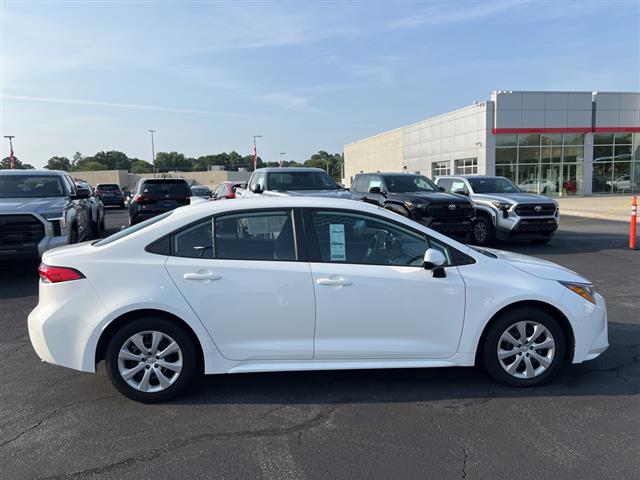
<point x="39" y="210"/>
<point x="292" y="181"/>
<point x="416" y="197"/>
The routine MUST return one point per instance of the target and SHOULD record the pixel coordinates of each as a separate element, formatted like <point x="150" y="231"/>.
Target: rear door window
<point x="256" y="236"/>
<point x="195" y="241"/>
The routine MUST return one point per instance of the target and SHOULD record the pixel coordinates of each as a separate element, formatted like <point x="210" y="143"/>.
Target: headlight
<point x="502" y="205"/>
<point x="59" y="216"/>
<point x="585" y="291"/>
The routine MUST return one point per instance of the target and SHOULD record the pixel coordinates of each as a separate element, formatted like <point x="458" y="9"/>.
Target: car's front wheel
<point x="483" y="232"/>
<point x="151" y="360"/>
<point x="524" y="347"/>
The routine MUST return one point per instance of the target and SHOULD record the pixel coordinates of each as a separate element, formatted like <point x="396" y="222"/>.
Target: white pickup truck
<point x="291" y="181"/>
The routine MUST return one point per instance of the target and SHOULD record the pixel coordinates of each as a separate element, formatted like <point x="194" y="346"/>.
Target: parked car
<point x="39" y="210"/>
<point x="95" y="209"/>
<point x="201" y="191"/>
<point x="325" y="284"/>
<point x="292" y="181"/>
<point x="227" y="190"/>
<point x="416" y="197"/>
<point x="503" y="211"/>
<point x="154" y="196"/>
<point x="110" y="194"/>
<point x="622" y="184"/>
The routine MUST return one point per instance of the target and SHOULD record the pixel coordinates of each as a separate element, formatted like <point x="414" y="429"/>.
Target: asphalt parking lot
<point x="437" y="423"/>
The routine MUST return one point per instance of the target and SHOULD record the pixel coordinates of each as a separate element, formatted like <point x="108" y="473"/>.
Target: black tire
<point x="102" y="227"/>
<point x="483" y="232"/>
<point x="177" y="333"/>
<point x="398" y="209"/>
<point x="489" y="348"/>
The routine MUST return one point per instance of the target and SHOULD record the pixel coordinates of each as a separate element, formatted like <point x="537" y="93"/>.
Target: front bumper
<point x="457" y="228"/>
<point x="589" y="323"/>
<point x="525" y="227"/>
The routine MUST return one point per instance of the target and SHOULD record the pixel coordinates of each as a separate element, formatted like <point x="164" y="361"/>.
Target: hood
<point x="519" y="197"/>
<point x="538" y="267"/>
<point x="311" y="193"/>
<point x="32" y="205"/>
<point x="431" y="197"/>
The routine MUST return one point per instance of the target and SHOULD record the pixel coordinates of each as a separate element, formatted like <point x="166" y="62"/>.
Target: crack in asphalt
<point x="272" y="410"/>
<point x="10" y="353"/>
<point x="48" y="416"/>
<point x="464" y="462"/>
<point x="172" y="445"/>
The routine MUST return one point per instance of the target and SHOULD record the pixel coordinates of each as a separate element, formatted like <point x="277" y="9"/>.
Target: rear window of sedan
<point x="133" y="229"/>
<point x="107" y="186"/>
<point x="166" y="187"/>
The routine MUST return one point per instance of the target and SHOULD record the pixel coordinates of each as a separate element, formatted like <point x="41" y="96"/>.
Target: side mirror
<point x="242" y="185"/>
<point x="81" y="193"/>
<point x="434" y="260"/>
<point x="257" y="188"/>
<point x="441" y="189"/>
<point x="376" y="190"/>
<point x="461" y="192"/>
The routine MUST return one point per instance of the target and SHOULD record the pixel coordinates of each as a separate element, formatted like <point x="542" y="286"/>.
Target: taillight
<point x="230" y="195"/>
<point x="58" y="274"/>
<point x="137" y="198"/>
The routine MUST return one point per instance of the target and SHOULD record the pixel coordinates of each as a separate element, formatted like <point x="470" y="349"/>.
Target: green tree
<point x="330" y="163"/>
<point x="140" y="166"/>
<point x="18" y="165"/>
<point x="113" y="160"/>
<point x="77" y="159"/>
<point x="92" y="166"/>
<point x="166" y="161"/>
<point x="59" y="163"/>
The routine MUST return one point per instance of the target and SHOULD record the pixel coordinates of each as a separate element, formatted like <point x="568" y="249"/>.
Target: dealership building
<point x="555" y="143"/>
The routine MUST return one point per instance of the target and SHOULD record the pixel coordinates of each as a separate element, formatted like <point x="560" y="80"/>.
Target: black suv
<point x="417" y="197"/>
<point x="110" y="194"/>
<point x="154" y="196"/>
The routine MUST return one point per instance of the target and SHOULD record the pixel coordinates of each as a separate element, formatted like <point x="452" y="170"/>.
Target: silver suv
<point x="503" y="211"/>
<point x="39" y="210"/>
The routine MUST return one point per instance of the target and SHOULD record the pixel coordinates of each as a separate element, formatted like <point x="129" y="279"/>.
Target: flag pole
<point x="12" y="163"/>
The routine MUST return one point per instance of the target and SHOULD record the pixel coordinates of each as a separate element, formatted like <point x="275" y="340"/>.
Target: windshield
<point x="166" y="188"/>
<point x="30" y="186"/>
<point x="301" y="181"/>
<point x="129" y="230"/>
<point x="492" y="185"/>
<point x="409" y="183"/>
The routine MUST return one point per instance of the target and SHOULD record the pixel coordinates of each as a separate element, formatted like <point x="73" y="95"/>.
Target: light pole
<point x="12" y="164"/>
<point x="153" y="152"/>
<point x="255" y="152"/>
<point x="281" y="159"/>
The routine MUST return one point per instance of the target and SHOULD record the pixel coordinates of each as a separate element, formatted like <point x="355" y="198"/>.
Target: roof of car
<point x="290" y="169"/>
<point x="470" y="176"/>
<point x="43" y="171"/>
<point x="391" y="173"/>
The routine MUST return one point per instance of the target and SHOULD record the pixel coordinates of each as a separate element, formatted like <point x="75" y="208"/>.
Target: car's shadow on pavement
<point x="616" y="372"/>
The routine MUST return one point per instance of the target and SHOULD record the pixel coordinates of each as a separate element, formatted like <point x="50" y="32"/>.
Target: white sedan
<point x="323" y="283"/>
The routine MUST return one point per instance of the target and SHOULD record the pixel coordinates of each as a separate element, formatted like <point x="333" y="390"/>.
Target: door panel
<point x="387" y="312"/>
<point x="253" y="309"/>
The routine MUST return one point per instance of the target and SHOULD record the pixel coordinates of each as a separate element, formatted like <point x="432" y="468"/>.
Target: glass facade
<point x="548" y="164"/>
<point x="616" y="162"/>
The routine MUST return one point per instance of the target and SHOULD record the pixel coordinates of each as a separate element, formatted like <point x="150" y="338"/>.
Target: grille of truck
<point x="20" y="233"/>
<point x="533" y="209"/>
<point x="444" y="210"/>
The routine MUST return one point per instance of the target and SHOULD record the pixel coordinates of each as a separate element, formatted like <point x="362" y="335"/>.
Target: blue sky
<point x="90" y="76"/>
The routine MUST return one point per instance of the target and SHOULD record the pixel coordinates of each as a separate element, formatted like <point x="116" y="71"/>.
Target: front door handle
<point x="201" y="275"/>
<point x="334" y="282"/>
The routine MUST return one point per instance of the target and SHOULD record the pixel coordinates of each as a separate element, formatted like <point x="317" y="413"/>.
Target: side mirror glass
<point x="257" y="188"/>
<point x="441" y="189"/>
<point x="435" y="260"/>
<point x="82" y="193"/>
<point x="376" y="190"/>
<point x="461" y="192"/>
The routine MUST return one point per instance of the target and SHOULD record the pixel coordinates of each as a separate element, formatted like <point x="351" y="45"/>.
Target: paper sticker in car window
<point x="337" y="242"/>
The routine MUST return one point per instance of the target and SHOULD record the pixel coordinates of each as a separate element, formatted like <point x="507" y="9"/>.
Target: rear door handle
<point x="201" y="275"/>
<point x="334" y="282"/>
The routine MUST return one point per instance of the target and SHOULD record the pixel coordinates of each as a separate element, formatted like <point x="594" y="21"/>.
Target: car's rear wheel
<point x="483" y="231"/>
<point x="151" y="360"/>
<point x="524" y="347"/>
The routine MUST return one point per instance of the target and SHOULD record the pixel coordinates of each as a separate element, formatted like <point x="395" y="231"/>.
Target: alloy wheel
<point x="526" y="349"/>
<point x="150" y="361"/>
<point x="480" y="232"/>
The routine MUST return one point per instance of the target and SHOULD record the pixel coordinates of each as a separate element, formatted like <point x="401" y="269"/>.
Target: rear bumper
<point x="61" y="330"/>
<point x="112" y="200"/>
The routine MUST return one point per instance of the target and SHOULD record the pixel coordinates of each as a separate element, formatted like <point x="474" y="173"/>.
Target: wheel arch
<point x="123" y="319"/>
<point x="560" y="317"/>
